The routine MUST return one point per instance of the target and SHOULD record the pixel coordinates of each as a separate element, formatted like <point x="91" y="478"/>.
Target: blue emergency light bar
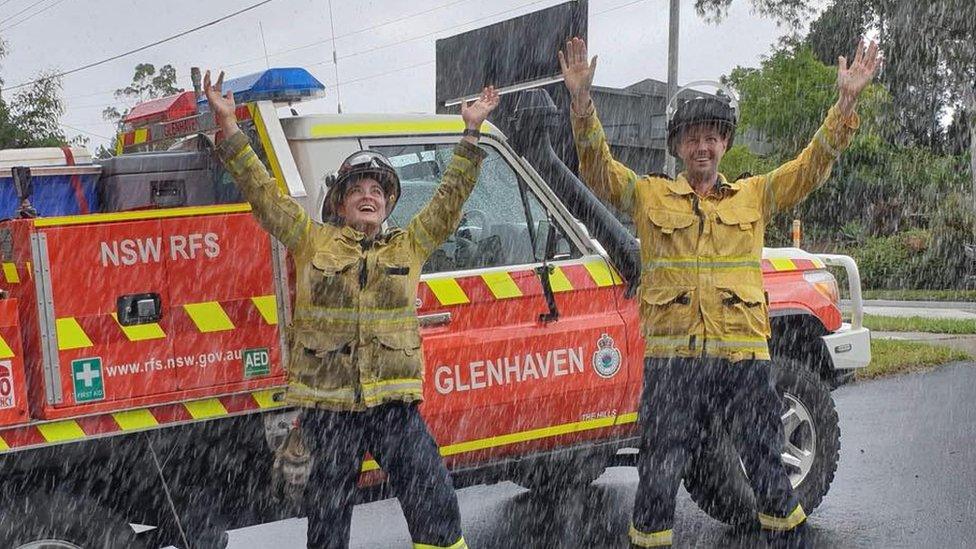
<point x="281" y="85"/>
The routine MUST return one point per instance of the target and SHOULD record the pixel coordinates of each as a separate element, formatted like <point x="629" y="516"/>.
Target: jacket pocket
<point x="326" y="274"/>
<point x="322" y="359"/>
<point x="395" y="287"/>
<point x="744" y="310"/>
<point x="327" y="264"/>
<point x="672" y="234"/>
<point x="668" y="222"/>
<point x="736" y="231"/>
<point x="667" y="310"/>
<point x="397" y="355"/>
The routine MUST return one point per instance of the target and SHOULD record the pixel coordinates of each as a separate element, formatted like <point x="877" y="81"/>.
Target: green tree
<point x="147" y="83"/>
<point x="31" y="117"/>
<point x="791" y="12"/>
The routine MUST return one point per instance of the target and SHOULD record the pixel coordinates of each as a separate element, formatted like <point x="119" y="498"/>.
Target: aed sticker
<point x="606" y="359"/>
<point x="86" y="376"/>
<point x="257" y="362"/>
<point x="7" y="397"/>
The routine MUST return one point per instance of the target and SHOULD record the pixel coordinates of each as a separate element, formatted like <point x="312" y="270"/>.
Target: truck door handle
<point x="136" y="309"/>
<point x="434" y="319"/>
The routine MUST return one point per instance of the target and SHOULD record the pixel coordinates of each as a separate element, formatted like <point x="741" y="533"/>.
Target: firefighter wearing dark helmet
<point x="355" y="364"/>
<point x="702" y="306"/>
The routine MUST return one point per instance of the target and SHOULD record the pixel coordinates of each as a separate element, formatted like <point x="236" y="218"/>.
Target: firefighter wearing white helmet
<point x="355" y="362"/>
<point x="702" y="305"/>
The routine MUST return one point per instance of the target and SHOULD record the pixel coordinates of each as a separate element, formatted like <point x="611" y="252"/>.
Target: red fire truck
<point x="141" y="356"/>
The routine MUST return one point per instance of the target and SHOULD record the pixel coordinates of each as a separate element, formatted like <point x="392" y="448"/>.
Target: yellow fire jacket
<point x="701" y="288"/>
<point x="354" y="340"/>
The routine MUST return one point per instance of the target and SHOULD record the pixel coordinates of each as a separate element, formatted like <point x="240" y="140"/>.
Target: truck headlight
<point x="825" y="283"/>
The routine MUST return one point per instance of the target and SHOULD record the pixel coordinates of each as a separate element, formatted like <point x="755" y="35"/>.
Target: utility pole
<point x="673" y="18"/>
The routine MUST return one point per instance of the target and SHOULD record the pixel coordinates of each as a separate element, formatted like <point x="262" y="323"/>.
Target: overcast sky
<point x="387" y="68"/>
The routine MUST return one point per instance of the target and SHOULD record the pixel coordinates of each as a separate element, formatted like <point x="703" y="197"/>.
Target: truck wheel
<point x="716" y="480"/>
<point x="554" y="474"/>
<point x="62" y="521"/>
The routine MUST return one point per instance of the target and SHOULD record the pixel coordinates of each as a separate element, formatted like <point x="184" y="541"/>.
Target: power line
<point x="429" y="34"/>
<point x="309" y="45"/>
<point x="399" y="69"/>
<point x="620" y="7"/>
<point x="335" y="60"/>
<point x="31" y="16"/>
<point x="352" y="33"/>
<point x="142" y="48"/>
<point x="79" y="130"/>
<point x="326" y="40"/>
<point x="3" y="3"/>
<point x="2" y="21"/>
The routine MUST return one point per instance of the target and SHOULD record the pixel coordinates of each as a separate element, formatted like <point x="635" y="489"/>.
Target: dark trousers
<point x="680" y="397"/>
<point x="399" y="440"/>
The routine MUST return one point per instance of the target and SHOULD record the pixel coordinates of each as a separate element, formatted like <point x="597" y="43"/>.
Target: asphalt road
<point x="907" y="478"/>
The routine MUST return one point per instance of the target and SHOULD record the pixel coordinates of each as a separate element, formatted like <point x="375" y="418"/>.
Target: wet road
<point x="906" y="478"/>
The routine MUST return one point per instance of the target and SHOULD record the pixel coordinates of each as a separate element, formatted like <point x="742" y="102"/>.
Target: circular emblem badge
<point x="606" y="359"/>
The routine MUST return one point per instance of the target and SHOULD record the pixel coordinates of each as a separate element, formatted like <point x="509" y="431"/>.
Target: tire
<point x="716" y="480"/>
<point x="58" y="520"/>
<point x="560" y="473"/>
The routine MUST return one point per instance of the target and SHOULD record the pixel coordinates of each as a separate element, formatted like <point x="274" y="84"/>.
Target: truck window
<point x="494" y="229"/>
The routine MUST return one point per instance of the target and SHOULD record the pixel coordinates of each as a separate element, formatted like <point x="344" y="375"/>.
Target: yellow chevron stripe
<point x="3" y="445"/>
<point x="131" y="420"/>
<point x="209" y="316"/>
<point x="10" y="273"/>
<point x="61" y="431"/>
<point x="71" y="335"/>
<point x="202" y="409"/>
<point x="559" y="281"/>
<point x="142" y="134"/>
<point x="370" y="465"/>
<point x="141" y="332"/>
<point x="5" y="350"/>
<point x="783" y="264"/>
<point x="601" y="273"/>
<point x="448" y="291"/>
<point x="502" y="285"/>
<point x="267" y="305"/>
<point x="265" y="399"/>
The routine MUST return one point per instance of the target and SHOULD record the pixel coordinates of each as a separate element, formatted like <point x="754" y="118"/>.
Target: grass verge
<point x="890" y="357"/>
<point x="921" y="295"/>
<point x="919" y="324"/>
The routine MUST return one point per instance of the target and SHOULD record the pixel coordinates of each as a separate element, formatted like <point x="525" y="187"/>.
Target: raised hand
<point x="475" y="112"/>
<point x="852" y="80"/>
<point x="221" y="106"/>
<point x="577" y="72"/>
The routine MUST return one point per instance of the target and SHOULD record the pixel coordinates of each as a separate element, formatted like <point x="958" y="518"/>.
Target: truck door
<point x="94" y="358"/>
<point x="498" y="379"/>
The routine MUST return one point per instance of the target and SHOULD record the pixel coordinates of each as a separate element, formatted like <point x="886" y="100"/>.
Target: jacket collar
<point x="349" y="233"/>
<point x="680" y="185"/>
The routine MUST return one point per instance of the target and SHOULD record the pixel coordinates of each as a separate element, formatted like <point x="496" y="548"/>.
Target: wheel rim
<point x="800" y="434"/>
<point x="49" y="544"/>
